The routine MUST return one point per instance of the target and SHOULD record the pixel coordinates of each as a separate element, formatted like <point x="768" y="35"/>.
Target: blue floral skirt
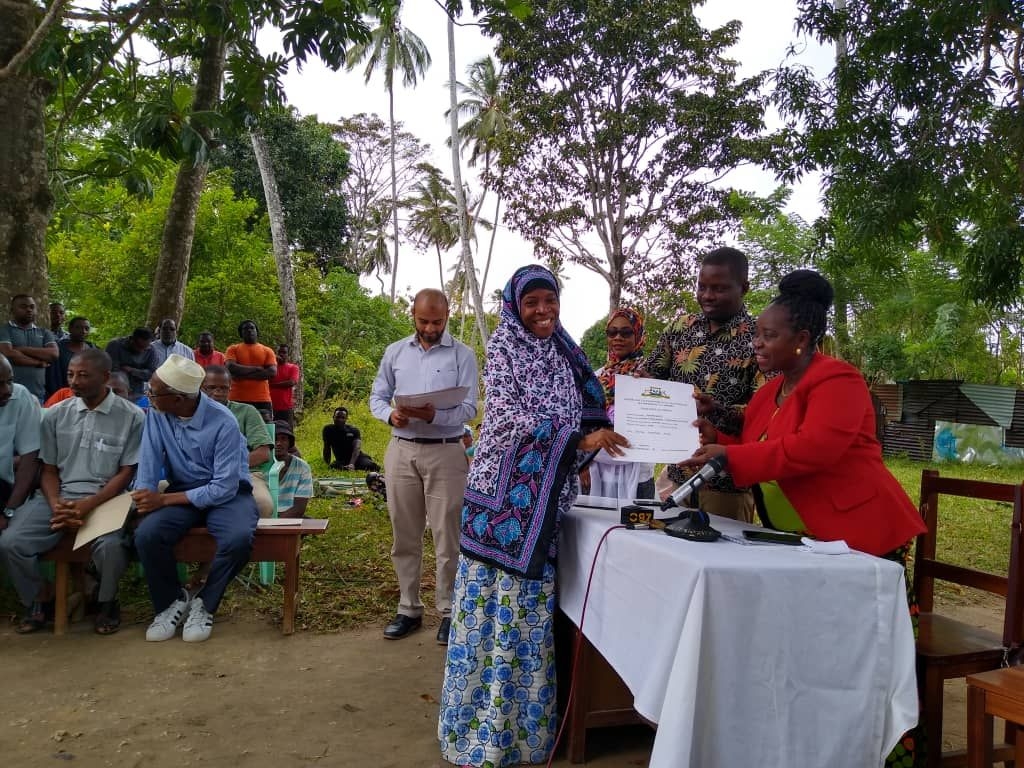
<point x="498" y="703"/>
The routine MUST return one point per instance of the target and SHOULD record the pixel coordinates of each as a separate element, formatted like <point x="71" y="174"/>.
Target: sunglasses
<point x="622" y="333"/>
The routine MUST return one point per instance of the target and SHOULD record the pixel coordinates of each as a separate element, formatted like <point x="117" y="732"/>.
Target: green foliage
<point x="94" y="258"/>
<point x="309" y="166"/>
<point x="345" y="332"/>
<point x="623" y="111"/>
<point x="920" y="133"/>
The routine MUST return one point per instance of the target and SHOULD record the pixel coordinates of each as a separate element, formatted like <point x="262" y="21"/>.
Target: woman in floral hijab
<point x="544" y="406"/>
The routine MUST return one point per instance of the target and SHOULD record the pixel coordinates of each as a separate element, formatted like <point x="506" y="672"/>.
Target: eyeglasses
<point x="622" y="333"/>
<point x="155" y="395"/>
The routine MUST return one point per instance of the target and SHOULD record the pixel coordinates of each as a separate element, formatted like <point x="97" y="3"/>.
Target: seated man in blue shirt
<point x="196" y="442"/>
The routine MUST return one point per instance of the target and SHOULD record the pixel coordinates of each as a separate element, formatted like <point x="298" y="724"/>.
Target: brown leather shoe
<point x="402" y="626"/>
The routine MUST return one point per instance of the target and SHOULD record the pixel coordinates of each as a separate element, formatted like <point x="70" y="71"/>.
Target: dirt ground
<point x="248" y="697"/>
<point x="251" y="697"/>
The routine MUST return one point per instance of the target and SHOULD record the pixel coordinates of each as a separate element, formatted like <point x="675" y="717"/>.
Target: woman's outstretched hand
<point x="611" y="442"/>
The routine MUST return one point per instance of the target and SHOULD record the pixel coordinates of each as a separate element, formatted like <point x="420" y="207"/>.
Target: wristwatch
<point x="9" y="513"/>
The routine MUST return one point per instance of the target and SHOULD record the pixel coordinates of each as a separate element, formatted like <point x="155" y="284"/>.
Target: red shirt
<point x="283" y="398"/>
<point x="214" y="358"/>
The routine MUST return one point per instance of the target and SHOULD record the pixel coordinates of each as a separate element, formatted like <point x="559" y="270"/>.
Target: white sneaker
<point x="199" y="623"/>
<point x="166" y="622"/>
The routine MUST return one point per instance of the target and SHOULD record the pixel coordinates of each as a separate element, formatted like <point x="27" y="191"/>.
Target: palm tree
<point x="486" y="109"/>
<point x="460" y="191"/>
<point x="375" y="246"/>
<point x="391" y="47"/>
<point x="434" y="220"/>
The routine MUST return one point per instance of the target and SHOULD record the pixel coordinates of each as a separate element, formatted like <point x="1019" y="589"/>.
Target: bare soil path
<point x="250" y="697"/>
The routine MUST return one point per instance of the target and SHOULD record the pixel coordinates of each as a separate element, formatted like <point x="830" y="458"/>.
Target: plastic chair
<point x="946" y="648"/>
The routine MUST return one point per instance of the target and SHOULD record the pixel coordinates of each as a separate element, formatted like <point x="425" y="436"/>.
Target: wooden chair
<point x="947" y="648"/>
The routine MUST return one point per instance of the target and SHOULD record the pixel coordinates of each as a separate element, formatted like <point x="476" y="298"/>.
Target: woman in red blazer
<point x="812" y="430"/>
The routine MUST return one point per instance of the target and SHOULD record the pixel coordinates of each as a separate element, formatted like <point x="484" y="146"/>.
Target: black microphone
<point x="685" y="491"/>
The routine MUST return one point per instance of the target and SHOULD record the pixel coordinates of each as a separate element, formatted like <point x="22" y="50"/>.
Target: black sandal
<point x="33" y="621"/>
<point x="108" y="618"/>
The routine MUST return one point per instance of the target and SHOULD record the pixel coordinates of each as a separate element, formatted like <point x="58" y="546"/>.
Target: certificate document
<point x="657" y="418"/>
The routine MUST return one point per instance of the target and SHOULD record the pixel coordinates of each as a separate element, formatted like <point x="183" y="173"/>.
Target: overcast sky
<point x="766" y="35"/>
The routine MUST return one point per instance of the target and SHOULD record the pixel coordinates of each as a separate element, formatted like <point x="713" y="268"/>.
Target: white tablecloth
<point x="765" y="655"/>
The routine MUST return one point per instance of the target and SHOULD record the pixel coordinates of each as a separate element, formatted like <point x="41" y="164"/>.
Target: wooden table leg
<point x="60" y="602"/>
<point x="979" y="730"/>
<point x="291" y="590"/>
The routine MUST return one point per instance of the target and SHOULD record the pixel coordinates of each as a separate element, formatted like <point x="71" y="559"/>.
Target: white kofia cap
<point x="181" y="374"/>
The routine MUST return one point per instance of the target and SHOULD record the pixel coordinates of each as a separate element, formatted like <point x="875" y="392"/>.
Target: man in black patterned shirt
<point x="713" y="350"/>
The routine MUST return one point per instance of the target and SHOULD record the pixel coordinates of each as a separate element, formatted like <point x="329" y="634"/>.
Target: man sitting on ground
<point x="89" y="449"/>
<point x="346" y="443"/>
<point x="205" y="354"/>
<point x="195" y="441"/>
<point x="19" y="442"/>
<point x="135" y="356"/>
<point x="295" y="488"/>
<point x="216" y="386"/>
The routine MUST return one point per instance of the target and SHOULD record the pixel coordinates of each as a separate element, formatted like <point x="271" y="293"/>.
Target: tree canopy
<point x="624" y="111"/>
<point x="919" y="133"/>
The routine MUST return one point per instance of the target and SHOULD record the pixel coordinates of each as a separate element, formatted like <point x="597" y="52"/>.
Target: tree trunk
<point x="460" y="192"/>
<point x="440" y="265"/>
<point x="490" y="247"/>
<point x="282" y="255"/>
<point x="25" y="198"/>
<point x="171" y="276"/>
<point x="394" y="189"/>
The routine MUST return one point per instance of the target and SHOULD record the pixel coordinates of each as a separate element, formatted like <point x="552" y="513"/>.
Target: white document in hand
<point x="657" y="418"/>
<point x="107" y="517"/>
<point x="441" y="399"/>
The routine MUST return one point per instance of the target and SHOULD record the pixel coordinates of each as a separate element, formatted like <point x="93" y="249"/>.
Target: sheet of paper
<point x="657" y="418"/>
<point x="107" y="517"/>
<point x="278" y="522"/>
<point x="441" y="399"/>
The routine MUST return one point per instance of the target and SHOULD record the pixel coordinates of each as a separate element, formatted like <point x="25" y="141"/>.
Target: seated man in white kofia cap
<point x="196" y="443"/>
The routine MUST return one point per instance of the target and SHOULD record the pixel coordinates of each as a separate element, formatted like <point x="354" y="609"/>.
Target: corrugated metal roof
<point x="996" y="402"/>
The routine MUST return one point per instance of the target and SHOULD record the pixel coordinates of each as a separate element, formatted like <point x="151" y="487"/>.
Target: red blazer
<point x="822" y="450"/>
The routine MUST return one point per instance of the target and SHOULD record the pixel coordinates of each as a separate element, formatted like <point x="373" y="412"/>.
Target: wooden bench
<point x="280" y="544"/>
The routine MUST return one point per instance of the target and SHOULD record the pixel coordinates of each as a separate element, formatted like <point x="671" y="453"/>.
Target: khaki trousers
<point x="425" y="482"/>
<point x="738" y="506"/>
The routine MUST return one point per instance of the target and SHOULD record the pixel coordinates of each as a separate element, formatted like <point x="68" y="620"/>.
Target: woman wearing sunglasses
<point x="621" y="480"/>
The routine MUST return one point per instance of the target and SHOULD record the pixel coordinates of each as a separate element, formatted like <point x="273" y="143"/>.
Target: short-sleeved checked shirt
<point x="30" y="377"/>
<point x="297" y="483"/>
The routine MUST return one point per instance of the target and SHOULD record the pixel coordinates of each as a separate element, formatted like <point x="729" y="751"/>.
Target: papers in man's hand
<point x="108" y="516"/>
<point x="441" y="399"/>
<point x="278" y="522"/>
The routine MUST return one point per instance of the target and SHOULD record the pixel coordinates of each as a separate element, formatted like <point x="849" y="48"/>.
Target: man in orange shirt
<point x="252" y="366"/>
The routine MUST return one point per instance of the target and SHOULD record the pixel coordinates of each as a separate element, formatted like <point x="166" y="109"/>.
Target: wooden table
<point x="999" y="693"/>
<point x="280" y="544"/>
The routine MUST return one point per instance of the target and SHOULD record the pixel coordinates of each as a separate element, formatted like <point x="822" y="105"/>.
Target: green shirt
<point x="251" y="425"/>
